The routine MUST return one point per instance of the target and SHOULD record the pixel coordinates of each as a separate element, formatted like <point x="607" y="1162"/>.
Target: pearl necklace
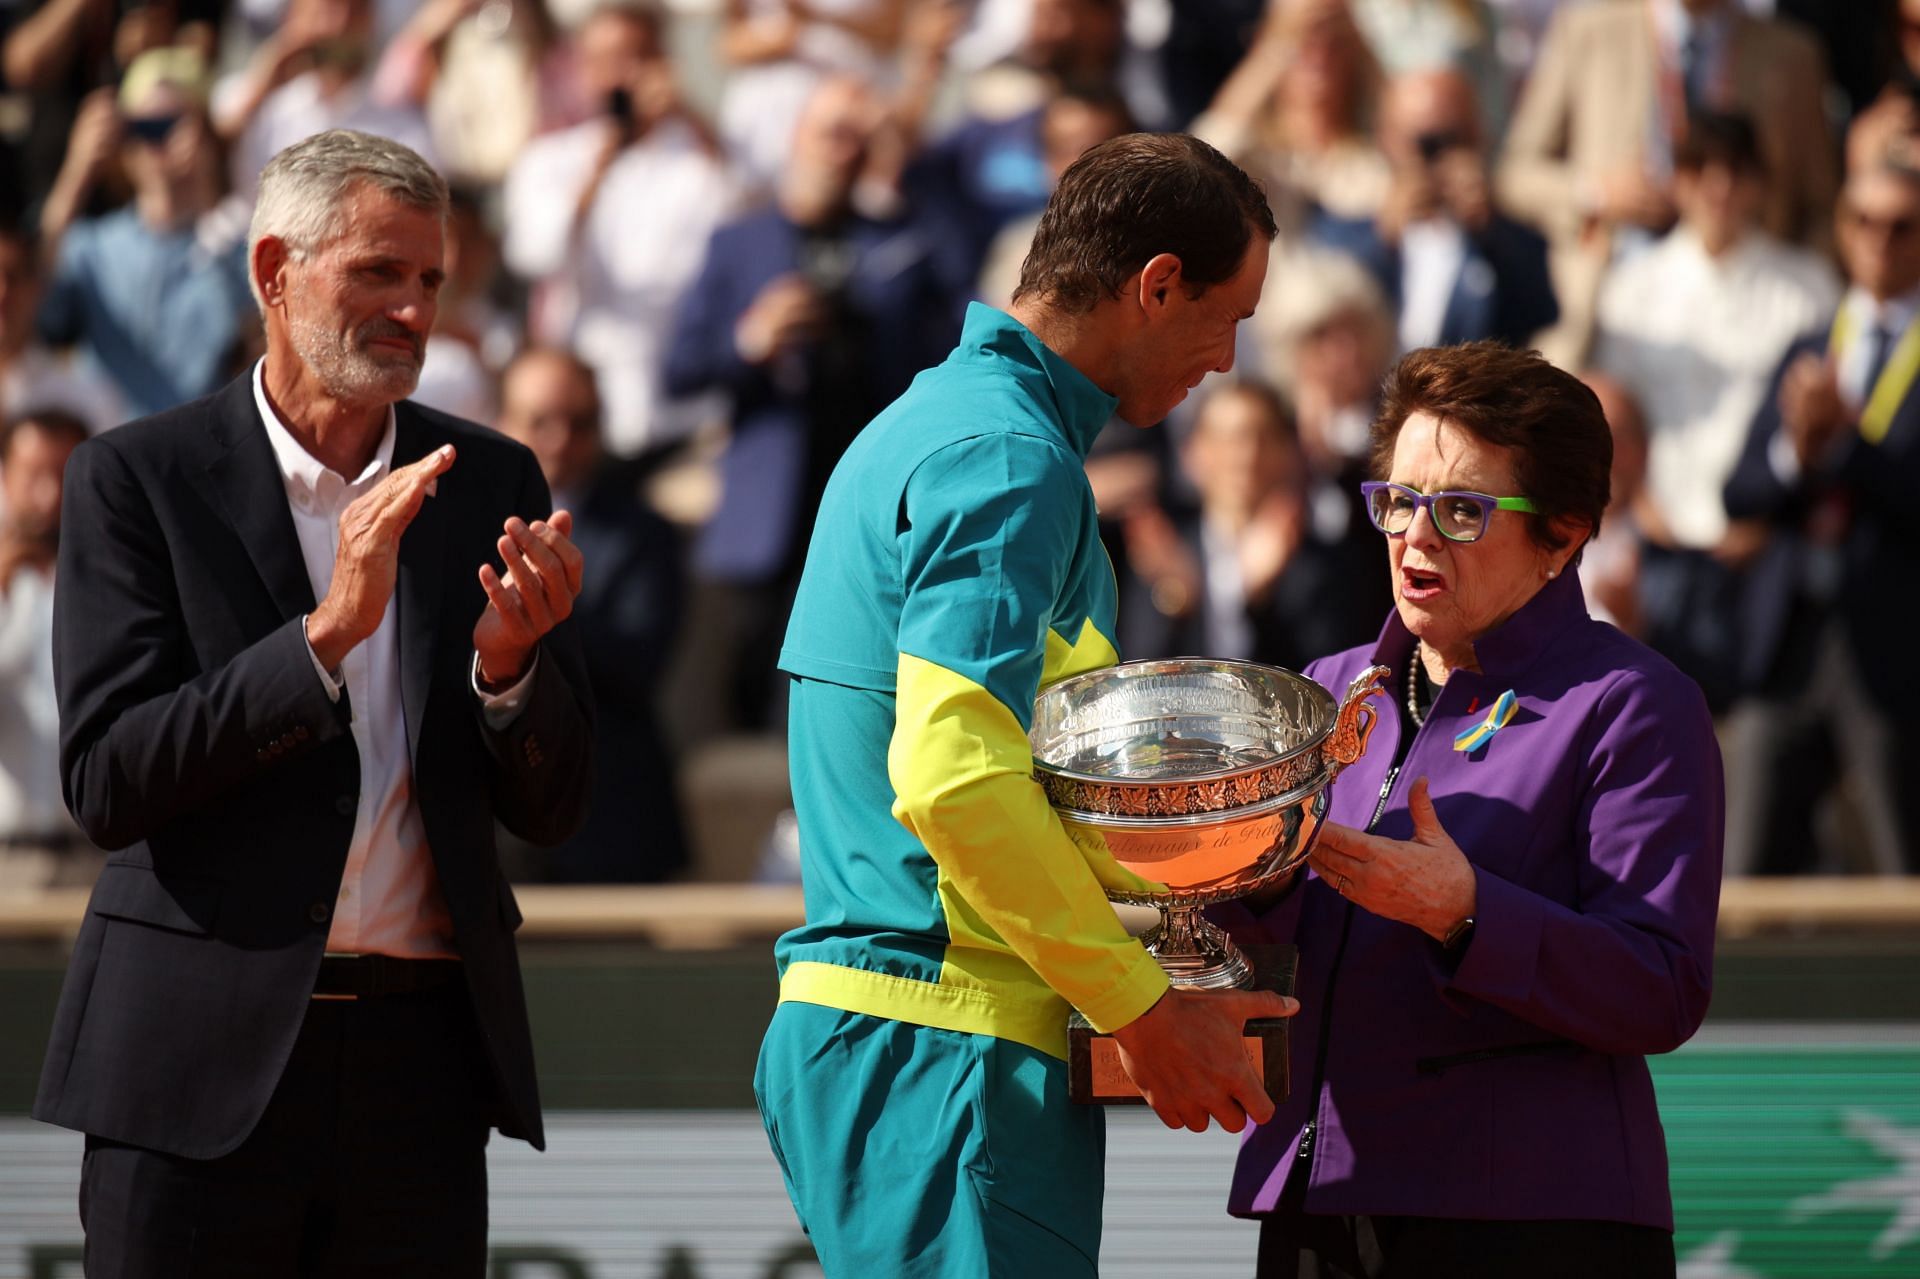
<point x="1413" y="685"/>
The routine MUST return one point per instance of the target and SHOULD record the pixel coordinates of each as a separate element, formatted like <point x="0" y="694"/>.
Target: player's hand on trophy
<point x="534" y="595"/>
<point x="1188" y="1059"/>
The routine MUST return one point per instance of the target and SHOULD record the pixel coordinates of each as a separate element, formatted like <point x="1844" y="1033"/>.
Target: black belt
<point x="371" y="976"/>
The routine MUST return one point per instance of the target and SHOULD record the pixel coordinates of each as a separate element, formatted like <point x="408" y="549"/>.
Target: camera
<point x="1436" y="144"/>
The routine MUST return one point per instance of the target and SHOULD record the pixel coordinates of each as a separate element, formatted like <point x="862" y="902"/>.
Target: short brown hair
<point x="1722" y="138"/>
<point x="1515" y="400"/>
<point x="1134" y="197"/>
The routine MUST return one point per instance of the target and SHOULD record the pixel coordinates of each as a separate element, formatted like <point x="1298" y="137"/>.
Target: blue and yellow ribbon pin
<point x="1498" y="717"/>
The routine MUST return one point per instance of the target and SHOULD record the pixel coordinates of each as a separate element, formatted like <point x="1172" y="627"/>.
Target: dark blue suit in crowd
<point x="1503" y="291"/>
<point x="892" y="313"/>
<point x="1826" y="630"/>
<point x="1872" y="601"/>
<point x="631" y="600"/>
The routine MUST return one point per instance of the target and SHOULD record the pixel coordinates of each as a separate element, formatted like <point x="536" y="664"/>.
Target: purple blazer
<point x="1509" y="1080"/>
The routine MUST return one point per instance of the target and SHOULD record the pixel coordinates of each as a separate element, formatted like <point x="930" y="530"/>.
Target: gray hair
<point x="303" y="188"/>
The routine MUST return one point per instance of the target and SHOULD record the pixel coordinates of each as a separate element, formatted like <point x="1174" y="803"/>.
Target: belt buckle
<point x="336" y="999"/>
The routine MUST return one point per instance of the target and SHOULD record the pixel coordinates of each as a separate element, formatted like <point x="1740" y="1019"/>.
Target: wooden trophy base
<point x="1096" y="1077"/>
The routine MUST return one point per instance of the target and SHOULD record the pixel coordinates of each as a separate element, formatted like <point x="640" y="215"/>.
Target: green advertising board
<point x="1797" y="1162"/>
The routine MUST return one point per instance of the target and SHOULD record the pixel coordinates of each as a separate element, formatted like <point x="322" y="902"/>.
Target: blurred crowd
<point x="694" y="247"/>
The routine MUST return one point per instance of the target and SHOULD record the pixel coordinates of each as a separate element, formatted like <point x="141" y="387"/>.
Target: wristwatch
<point x="1457" y="935"/>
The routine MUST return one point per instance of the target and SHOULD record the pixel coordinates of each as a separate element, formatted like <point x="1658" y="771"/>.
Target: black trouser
<point x="1316" y="1247"/>
<point x="369" y="1161"/>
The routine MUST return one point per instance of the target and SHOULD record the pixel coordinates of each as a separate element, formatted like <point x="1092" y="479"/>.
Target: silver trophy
<point x="1210" y="777"/>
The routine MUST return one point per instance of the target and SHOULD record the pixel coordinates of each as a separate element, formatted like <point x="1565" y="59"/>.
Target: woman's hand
<point x="1425" y="881"/>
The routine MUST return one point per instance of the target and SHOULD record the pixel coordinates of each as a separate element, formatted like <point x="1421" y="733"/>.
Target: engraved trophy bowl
<point x="1210" y="777"/>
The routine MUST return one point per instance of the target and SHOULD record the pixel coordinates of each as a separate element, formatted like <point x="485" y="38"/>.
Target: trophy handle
<point x="1354" y="724"/>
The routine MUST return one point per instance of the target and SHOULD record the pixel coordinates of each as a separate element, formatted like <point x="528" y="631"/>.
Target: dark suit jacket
<point x="198" y="744"/>
<point x="1876" y="604"/>
<point x="628" y="616"/>
<point x="791" y="420"/>
<point x="1503" y="290"/>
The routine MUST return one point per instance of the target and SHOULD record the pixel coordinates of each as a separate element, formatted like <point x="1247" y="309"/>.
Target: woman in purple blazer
<point x="1513" y="901"/>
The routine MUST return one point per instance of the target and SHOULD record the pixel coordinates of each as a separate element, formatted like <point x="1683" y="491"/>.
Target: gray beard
<point x="348" y="372"/>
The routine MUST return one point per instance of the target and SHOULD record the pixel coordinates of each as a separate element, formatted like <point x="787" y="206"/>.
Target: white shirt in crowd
<point x="610" y="289"/>
<point x="390" y="901"/>
<point x="1229" y="631"/>
<point x="30" y="803"/>
<point x="1432" y="253"/>
<point x="1697" y="340"/>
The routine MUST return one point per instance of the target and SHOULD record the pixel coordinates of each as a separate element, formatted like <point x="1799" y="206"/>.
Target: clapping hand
<point x="366" y="561"/>
<point x="1811" y="407"/>
<point x="536" y="593"/>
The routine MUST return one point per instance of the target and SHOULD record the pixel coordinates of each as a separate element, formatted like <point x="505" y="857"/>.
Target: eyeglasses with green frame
<point x="1459" y="516"/>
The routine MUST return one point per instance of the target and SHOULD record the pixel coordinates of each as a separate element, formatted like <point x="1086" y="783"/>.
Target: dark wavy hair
<point x="1131" y="198"/>
<point x="1554" y="426"/>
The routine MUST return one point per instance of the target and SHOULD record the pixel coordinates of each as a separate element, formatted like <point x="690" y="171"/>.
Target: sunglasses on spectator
<point x="151" y="130"/>
<point x="1892" y="228"/>
<point x="1459" y="516"/>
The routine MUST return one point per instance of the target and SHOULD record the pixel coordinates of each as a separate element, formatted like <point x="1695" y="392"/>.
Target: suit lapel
<point x="245" y="479"/>
<point x="423" y="572"/>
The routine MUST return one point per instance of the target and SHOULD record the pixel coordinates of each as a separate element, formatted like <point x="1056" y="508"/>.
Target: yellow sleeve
<point x="962" y="775"/>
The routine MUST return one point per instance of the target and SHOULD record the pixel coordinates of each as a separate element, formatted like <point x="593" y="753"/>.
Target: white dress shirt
<point x="1229" y="633"/>
<point x="1864" y="315"/>
<point x="390" y="901"/>
<point x="1697" y="340"/>
<point x="611" y="288"/>
<point x="1432" y="253"/>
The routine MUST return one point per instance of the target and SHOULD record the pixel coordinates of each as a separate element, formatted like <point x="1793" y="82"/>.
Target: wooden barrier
<point x="714" y="916"/>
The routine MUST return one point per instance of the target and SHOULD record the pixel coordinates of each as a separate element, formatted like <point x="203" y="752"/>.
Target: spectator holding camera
<point x="53" y="53"/>
<point x="811" y="317"/>
<point x="1458" y="269"/>
<point x="608" y="220"/>
<point x="154" y="294"/>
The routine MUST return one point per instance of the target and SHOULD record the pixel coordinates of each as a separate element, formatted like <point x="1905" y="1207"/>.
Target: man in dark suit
<point x="1456" y="268"/>
<point x="1829" y="473"/>
<point x="293" y="710"/>
<point x="628" y="616"/>
<point x="812" y="317"/>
